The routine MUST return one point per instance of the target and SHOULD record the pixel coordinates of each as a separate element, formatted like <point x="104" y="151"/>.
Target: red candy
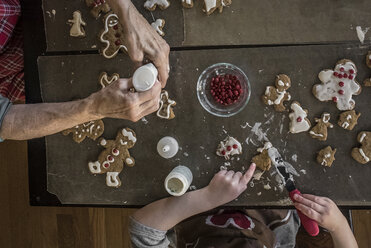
<point x="351" y="71"/>
<point x="110" y="158"/>
<point x="334" y="99"/>
<point x="223" y="152"/>
<point x="115" y="27"/>
<point x="229" y="148"/>
<point x="117" y="42"/>
<point x="340" y="76"/>
<point x="341" y="92"/>
<point x="336" y="74"/>
<point x="341" y="84"/>
<point x="345" y="75"/>
<point x="341" y="69"/>
<point x="350" y="76"/>
<point x="225" y="89"/>
<point x="106" y="164"/>
<point x="299" y="119"/>
<point x="235" y="146"/>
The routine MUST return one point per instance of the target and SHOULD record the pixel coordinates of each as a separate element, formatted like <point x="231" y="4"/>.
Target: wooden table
<point x="263" y="38"/>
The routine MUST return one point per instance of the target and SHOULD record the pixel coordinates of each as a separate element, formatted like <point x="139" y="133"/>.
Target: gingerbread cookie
<point x="348" y="119"/>
<point x="112" y="36"/>
<point x="187" y="3"/>
<point x="91" y="129"/>
<point x="338" y="85"/>
<point x="152" y="4"/>
<point x="105" y="80"/>
<point x="211" y="5"/>
<point x="229" y="147"/>
<point x="166" y="106"/>
<point x="263" y="160"/>
<point x="319" y="131"/>
<point x="98" y="7"/>
<point x="112" y="159"/>
<point x="363" y="154"/>
<point x="326" y="156"/>
<point x="368" y="62"/>
<point x="298" y="117"/>
<point x="77" y="25"/>
<point x="158" y="25"/>
<point x="277" y="95"/>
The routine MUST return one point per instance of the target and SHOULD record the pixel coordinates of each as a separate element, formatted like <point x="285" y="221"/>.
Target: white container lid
<point x="145" y="77"/>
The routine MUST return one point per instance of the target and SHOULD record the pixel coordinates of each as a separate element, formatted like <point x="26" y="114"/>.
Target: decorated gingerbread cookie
<point x="298" y="119"/>
<point x="105" y="80"/>
<point x="348" y="119"/>
<point x="166" y="106"/>
<point x="211" y="5"/>
<point x="98" y="7"/>
<point x="326" y="156"/>
<point x="187" y="3"/>
<point x="91" y="129"/>
<point x="319" y="131"/>
<point x="368" y="62"/>
<point x="277" y="95"/>
<point x="112" y="159"/>
<point x="77" y="25"/>
<point x="112" y="36"/>
<point x="262" y="160"/>
<point x="229" y="147"/>
<point x="158" y="25"/>
<point x="152" y="4"/>
<point x="338" y="85"/>
<point x="363" y="154"/>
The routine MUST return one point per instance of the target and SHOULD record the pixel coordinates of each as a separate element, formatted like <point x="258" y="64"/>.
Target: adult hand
<point x="321" y="209"/>
<point x="228" y="185"/>
<point x="117" y="101"/>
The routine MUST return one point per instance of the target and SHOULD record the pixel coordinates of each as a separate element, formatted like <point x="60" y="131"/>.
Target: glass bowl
<point x="206" y="98"/>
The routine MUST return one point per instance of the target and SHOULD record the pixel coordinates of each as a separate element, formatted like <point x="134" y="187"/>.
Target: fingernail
<point x="253" y="164"/>
<point x="296" y="196"/>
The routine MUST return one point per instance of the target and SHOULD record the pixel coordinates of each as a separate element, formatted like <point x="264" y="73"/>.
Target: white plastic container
<point x="145" y="77"/>
<point x="167" y="147"/>
<point x="178" y="181"/>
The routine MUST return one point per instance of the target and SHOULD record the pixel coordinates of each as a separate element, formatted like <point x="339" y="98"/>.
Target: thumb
<point x="248" y="174"/>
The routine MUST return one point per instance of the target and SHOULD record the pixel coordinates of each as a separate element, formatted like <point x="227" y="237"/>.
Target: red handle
<point x="309" y="225"/>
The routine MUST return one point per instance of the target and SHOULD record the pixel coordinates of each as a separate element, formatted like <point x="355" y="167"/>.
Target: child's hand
<point x="228" y="185"/>
<point x="321" y="209"/>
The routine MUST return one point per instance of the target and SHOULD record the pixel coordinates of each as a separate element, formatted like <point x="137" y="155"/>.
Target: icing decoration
<point x="98" y="7"/>
<point x="363" y="154"/>
<point x="158" y="25"/>
<point x="166" y="106"/>
<point x="330" y="89"/>
<point x="319" y="131"/>
<point x="112" y="36"/>
<point x="187" y="3"/>
<point x="298" y="112"/>
<point x="211" y="5"/>
<point x="277" y="95"/>
<point x="91" y="129"/>
<point x="227" y="148"/>
<point x="152" y="4"/>
<point x="77" y="25"/>
<point x="105" y="80"/>
<point x="112" y="159"/>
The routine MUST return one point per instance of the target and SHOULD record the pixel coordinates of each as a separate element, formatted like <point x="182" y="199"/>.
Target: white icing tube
<point x="178" y="181"/>
<point x="167" y="147"/>
<point x="145" y="77"/>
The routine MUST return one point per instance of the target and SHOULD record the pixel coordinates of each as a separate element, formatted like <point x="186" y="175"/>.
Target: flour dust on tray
<point x="338" y="85"/>
<point x="229" y="147"/>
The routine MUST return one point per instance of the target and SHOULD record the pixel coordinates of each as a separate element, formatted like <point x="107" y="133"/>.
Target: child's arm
<point x="327" y="214"/>
<point x="166" y="213"/>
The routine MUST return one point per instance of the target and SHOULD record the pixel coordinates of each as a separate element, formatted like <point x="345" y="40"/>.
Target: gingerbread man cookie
<point x="158" y="25"/>
<point x="338" y="85"/>
<point x="111" y="160"/>
<point x="152" y="4"/>
<point x="277" y="95"/>
<point x="91" y="129"/>
<point x="211" y="5"/>
<point x="187" y="3"/>
<point x="77" y="25"/>
<point x="326" y="156"/>
<point x="368" y="62"/>
<point x="263" y="160"/>
<point x="363" y="154"/>
<point x="319" y="131"/>
<point x="229" y="147"/>
<point x="166" y="106"/>
<point x="97" y="7"/>
<point x="105" y="80"/>
<point x="348" y="119"/>
<point x="112" y="36"/>
<point x="298" y="117"/>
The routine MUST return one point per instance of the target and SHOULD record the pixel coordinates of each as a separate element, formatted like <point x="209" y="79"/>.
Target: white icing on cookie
<point x="158" y="25"/>
<point x="129" y="161"/>
<point x="298" y="123"/>
<point x="280" y="96"/>
<point x="77" y="24"/>
<point x="316" y="134"/>
<point x="331" y="89"/>
<point x="103" y="142"/>
<point x="280" y="83"/>
<point x="363" y="155"/>
<point x="110" y="22"/>
<point x="345" y="125"/>
<point x="104" y="79"/>
<point x="266" y="146"/>
<point x="229" y="147"/>
<point x="112" y="179"/>
<point x="362" y="137"/>
<point x="210" y="4"/>
<point x="129" y="134"/>
<point x="168" y="109"/>
<point x="94" y="167"/>
<point x="149" y="4"/>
